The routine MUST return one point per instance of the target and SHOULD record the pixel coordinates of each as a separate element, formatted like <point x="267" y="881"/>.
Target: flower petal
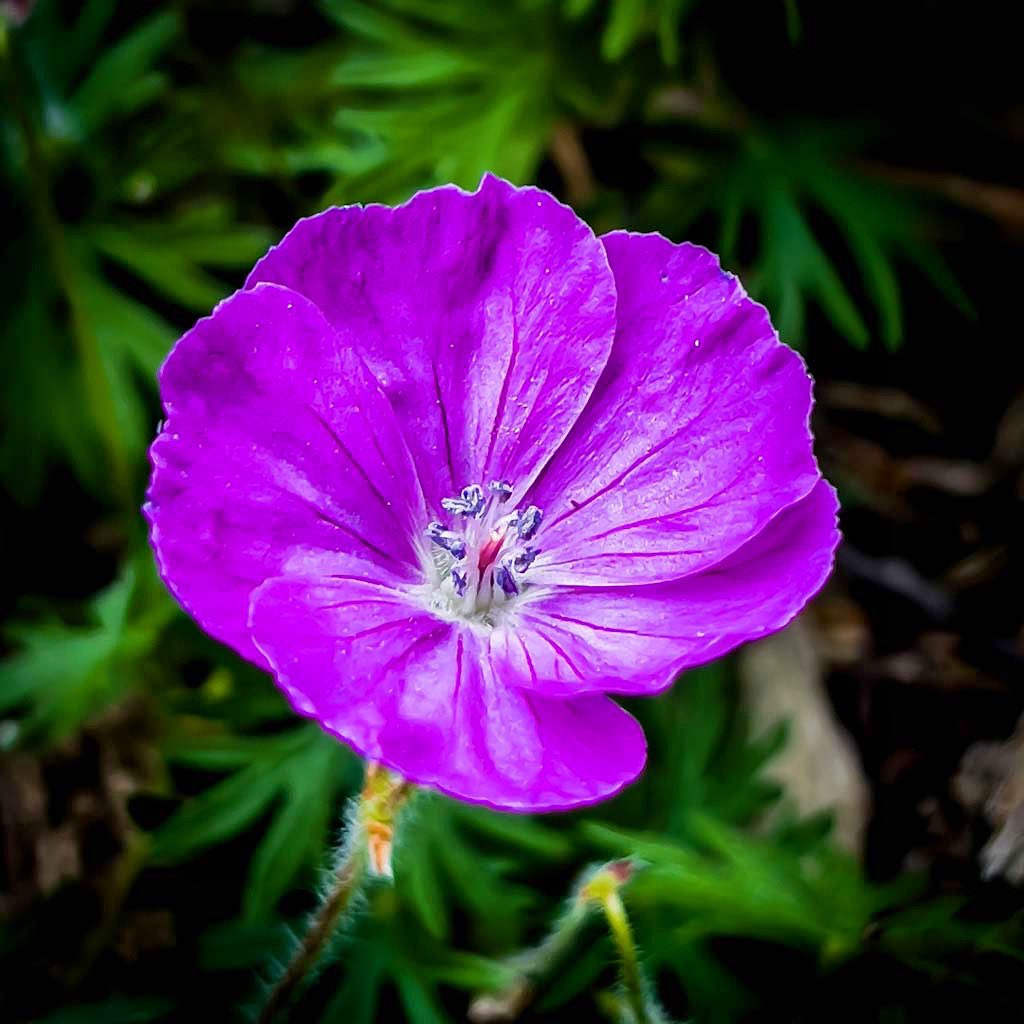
<point x="403" y="688"/>
<point x="279" y="454"/>
<point x="486" y="316"/>
<point x="694" y="438"/>
<point x="638" y="639"/>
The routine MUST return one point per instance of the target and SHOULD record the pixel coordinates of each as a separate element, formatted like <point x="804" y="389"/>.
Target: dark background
<point x="162" y="815"/>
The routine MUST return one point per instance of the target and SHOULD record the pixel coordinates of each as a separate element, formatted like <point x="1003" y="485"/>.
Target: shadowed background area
<point x="832" y="821"/>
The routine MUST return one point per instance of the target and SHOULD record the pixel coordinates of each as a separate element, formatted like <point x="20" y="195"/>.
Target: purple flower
<point x="455" y="471"/>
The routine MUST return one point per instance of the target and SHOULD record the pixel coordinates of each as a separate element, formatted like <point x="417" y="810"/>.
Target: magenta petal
<point x="487" y="318"/>
<point x="279" y="455"/>
<point x="381" y="360"/>
<point x="694" y="438"/>
<point x="415" y="693"/>
<point x="638" y="639"/>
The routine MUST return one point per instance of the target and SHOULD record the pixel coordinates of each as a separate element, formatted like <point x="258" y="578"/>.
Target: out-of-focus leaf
<point x="453" y="96"/>
<point x="171" y="260"/>
<point x="422" y="886"/>
<point x="794" y="267"/>
<point x="625" y="22"/>
<point x="438" y="866"/>
<point x="121" y="80"/>
<point x="471" y="972"/>
<point x="529" y="835"/>
<point x="781" y="181"/>
<point x="80" y="41"/>
<point x="241" y="944"/>
<point x="927" y="932"/>
<point x="385" y="952"/>
<point x="223" y="751"/>
<point x="221" y="811"/>
<point x="39" y="375"/>
<point x="420" y="1002"/>
<point x="581" y="972"/>
<point x="60" y="674"/>
<point x="87" y="385"/>
<point x="708" y="762"/>
<point x="131" y="341"/>
<point x="111" y="1011"/>
<point x="671" y="14"/>
<point x="730" y="883"/>
<point x="295" y="837"/>
<point x="577" y="8"/>
<point x="297" y="776"/>
<point x="357" y="997"/>
<point x="162" y="267"/>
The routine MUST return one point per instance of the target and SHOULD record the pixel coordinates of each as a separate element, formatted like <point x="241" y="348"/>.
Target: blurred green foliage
<point x="63" y="673"/>
<point x="94" y="190"/>
<point x="142" y="174"/>
<point x="781" y="179"/>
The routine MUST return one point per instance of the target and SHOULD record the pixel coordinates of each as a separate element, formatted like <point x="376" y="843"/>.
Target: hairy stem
<point x="533" y="968"/>
<point x="597" y="889"/>
<point x="629" y="963"/>
<point x="365" y="851"/>
<point x="345" y="885"/>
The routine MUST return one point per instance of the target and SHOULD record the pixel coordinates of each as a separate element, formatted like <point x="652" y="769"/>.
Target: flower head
<point x="455" y="471"/>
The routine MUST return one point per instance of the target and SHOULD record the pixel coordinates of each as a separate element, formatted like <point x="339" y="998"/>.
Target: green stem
<point x="98" y="390"/>
<point x="365" y="851"/>
<point x="347" y="881"/>
<point x="629" y="963"/>
<point x="533" y="969"/>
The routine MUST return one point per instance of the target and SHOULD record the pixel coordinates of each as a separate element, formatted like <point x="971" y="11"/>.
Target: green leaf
<point x="726" y="882"/>
<point x="80" y="42"/>
<point x="515" y="831"/>
<point x="708" y="762"/>
<point x="295" y="777"/>
<point x="433" y="93"/>
<point x="442" y="863"/>
<point x="163" y="267"/>
<point x="420" y="884"/>
<point x="217" y="814"/>
<point x="629" y="21"/>
<point x="111" y="1011"/>
<point x="715" y="993"/>
<point x="219" y="751"/>
<point x="120" y="81"/>
<point x="385" y="953"/>
<point x="171" y="259"/>
<point x="35" y="388"/>
<point x="243" y="945"/>
<point x="578" y="975"/>
<point x="781" y="178"/>
<point x="420" y="1002"/>
<point x="624" y="26"/>
<point x="60" y="674"/>
<point x="295" y="837"/>
<point x="356" y="1000"/>
<point x="471" y="972"/>
<point x="795" y="265"/>
<point x="410" y="70"/>
<point x="670" y="17"/>
<point x="132" y="341"/>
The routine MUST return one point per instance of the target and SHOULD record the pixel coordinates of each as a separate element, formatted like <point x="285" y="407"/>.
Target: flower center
<point x="479" y="563"/>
